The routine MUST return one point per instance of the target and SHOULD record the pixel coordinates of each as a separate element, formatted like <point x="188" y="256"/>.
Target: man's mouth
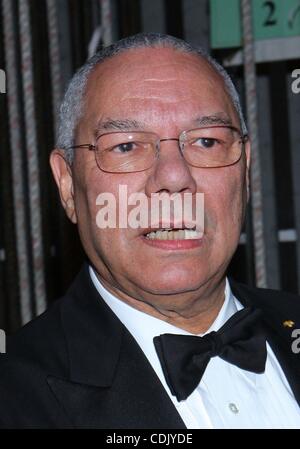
<point x="174" y="234"/>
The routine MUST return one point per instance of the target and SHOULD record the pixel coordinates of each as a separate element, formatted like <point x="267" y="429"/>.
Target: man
<point x="124" y="348"/>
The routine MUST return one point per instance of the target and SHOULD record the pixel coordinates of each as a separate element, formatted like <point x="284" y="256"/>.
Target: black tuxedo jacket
<point x="77" y="366"/>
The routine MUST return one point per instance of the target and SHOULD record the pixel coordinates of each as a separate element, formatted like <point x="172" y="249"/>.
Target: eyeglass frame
<point x="244" y="138"/>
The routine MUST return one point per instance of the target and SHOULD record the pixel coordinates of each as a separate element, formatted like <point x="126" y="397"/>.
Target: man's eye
<point x="124" y="147"/>
<point x="205" y="142"/>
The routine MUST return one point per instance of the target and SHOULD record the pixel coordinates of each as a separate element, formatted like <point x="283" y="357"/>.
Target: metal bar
<point x="196" y="22"/>
<point x="32" y="157"/>
<point x="53" y="33"/>
<point x="268" y="50"/>
<point x="106" y="21"/>
<point x="294" y="130"/>
<point x="256" y="188"/>
<point x="284" y="236"/>
<point x="268" y="182"/>
<point x="153" y="16"/>
<point x="15" y="126"/>
<point x="65" y="48"/>
<point x="174" y="23"/>
<point x="95" y="13"/>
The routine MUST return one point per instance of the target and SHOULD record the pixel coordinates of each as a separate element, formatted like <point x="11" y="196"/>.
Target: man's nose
<point x="170" y="172"/>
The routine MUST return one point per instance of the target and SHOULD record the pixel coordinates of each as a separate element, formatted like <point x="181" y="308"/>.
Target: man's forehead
<point x="130" y="85"/>
<point x="155" y="65"/>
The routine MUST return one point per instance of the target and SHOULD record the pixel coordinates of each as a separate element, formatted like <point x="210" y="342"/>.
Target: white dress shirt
<point x="227" y="397"/>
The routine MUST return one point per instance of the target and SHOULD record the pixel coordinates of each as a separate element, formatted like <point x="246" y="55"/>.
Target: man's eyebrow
<point x="215" y="119"/>
<point x="117" y="125"/>
<point x="110" y="124"/>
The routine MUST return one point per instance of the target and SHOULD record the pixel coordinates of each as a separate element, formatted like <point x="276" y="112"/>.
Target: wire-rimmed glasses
<point x="135" y="151"/>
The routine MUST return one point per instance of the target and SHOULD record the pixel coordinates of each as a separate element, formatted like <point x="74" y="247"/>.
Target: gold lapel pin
<point x="288" y="323"/>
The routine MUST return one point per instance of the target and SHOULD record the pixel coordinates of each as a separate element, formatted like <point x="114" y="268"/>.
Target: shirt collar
<point x="144" y="327"/>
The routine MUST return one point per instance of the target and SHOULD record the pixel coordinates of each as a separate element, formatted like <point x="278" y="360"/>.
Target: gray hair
<point x="72" y="106"/>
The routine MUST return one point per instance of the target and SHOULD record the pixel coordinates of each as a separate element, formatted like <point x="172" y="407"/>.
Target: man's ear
<point x="63" y="177"/>
<point x="248" y="160"/>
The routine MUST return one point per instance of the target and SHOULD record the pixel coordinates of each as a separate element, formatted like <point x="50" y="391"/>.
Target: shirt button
<point x="233" y="408"/>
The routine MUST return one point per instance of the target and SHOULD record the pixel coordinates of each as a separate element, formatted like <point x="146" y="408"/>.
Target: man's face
<point x="165" y="92"/>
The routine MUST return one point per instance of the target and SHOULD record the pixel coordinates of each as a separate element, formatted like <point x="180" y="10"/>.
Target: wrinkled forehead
<point x="142" y="79"/>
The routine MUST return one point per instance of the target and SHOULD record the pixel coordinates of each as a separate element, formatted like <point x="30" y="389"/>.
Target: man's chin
<point x="176" y="287"/>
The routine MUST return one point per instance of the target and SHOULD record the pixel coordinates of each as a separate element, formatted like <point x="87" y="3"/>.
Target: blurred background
<point x="43" y="42"/>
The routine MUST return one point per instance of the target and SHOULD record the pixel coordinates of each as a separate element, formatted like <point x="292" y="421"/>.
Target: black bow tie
<point x="184" y="358"/>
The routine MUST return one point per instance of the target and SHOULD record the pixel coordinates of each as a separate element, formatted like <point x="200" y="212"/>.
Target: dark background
<point x="279" y="131"/>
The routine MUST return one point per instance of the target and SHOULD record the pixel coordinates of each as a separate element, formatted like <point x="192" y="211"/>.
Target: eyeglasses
<point x="207" y="147"/>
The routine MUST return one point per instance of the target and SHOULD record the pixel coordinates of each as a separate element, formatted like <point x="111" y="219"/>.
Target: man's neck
<point x="194" y="315"/>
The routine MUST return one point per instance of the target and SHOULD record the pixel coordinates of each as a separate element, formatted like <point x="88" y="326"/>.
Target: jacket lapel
<point x="111" y="384"/>
<point x="278" y="308"/>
